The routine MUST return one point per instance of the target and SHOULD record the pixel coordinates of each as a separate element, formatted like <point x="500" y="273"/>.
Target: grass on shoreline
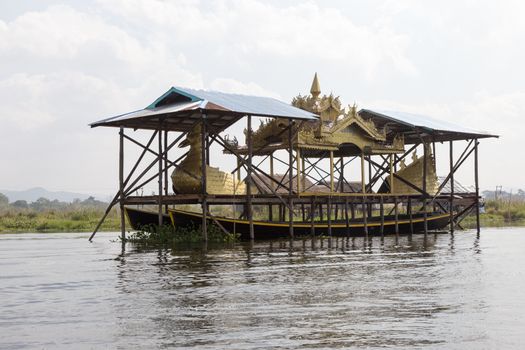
<point x="56" y="220"/>
<point x="499" y="213"/>
<point x="84" y="219"/>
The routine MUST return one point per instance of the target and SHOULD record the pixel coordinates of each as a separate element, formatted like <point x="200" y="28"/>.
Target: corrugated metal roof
<point x="253" y="105"/>
<point x="180" y="105"/>
<point x="410" y="121"/>
<point x="183" y="106"/>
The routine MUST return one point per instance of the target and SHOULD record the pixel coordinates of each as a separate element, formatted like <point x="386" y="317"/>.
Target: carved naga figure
<point x="187" y="177"/>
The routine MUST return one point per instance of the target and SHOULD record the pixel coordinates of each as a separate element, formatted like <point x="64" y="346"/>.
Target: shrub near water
<point x="166" y="235"/>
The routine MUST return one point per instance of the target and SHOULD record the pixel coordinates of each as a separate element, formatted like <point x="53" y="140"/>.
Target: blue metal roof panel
<point x="174" y="108"/>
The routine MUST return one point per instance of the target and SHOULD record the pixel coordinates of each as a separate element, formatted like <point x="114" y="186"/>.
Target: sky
<point x="66" y="64"/>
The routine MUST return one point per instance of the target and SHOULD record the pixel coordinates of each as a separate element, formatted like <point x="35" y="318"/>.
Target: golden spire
<point x="315" y="90"/>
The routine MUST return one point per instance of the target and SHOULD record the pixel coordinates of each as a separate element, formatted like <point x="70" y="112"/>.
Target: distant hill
<point x="33" y="194"/>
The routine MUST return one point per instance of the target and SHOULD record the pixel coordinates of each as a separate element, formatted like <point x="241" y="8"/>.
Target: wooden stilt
<point x="161" y="189"/>
<point x="363" y="188"/>
<point x="204" y="183"/>
<point x="290" y="177"/>
<point x="303" y="178"/>
<point x="410" y="217"/>
<point x="365" y="221"/>
<point x="312" y="215"/>
<point x="270" y="207"/>
<point x="476" y="180"/>
<point x="298" y="159"/>
<point x="331" y="171"/>
<point x="425" y="219"/>
<point x="166" y="182"/>
<point x="451" y="205"/>
<point x="347" y="222"/>
<point x="396" y="215"/>
<point x="382" y="215"/>
<point x="329" y="215"/>
<point x="121" y="186"/>
<point x="249" y="141"/>
<point x="392" y="190"/>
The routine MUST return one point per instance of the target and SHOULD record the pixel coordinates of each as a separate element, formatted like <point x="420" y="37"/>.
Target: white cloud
<point x="65" y="66"/>
<point x="251" y="28"/>
<point x="238" y="87"/>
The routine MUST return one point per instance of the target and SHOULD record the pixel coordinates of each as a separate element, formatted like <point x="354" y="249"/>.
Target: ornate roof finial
<point x="315" y="90"/>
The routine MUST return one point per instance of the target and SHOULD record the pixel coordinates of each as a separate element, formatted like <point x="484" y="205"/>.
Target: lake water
<point x="58" y="291"/>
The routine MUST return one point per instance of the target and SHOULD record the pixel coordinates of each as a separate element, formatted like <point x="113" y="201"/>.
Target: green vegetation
<point x="499" y="213"/>
<point x="167" y="235"/>
<point x="44" y="215"/>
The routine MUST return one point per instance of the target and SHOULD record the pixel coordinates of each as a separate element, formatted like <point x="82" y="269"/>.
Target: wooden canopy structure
<point x="310" y="130"/>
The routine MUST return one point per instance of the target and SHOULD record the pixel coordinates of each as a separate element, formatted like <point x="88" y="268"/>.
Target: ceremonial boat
<point x="144" y="219"/>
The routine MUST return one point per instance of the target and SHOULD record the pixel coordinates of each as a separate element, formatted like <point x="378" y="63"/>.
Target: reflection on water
<point x="439" y="291"/>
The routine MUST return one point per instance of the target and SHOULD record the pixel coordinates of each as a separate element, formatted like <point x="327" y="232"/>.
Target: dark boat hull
<point x="273" y="229"/>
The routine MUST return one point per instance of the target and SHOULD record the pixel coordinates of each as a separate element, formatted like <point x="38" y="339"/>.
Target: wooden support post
<point x="382" y="214"/>
<point x="238" y="170"/>
<point x="425" y="219"/>
<point x="352" y="210"/>
<point x="290" y="177"/>
<point x="271" y="165"/>
<point x="303" y="179"/>
<point x="249" y="142"/>
<point x="270" y="207"/>
<point x="121" y="185"/>
<point x="312" y="215"/>
<point x="392" y="174"/>
<point x="410" y="217"/>
<point x="331" y="171"/>
<point x="298" y="159"/>
<point x="347" y="222"/>
<point x="329" y="215"/>
<point x="204" y="181"/>
<point x="161" y="215"/>
<point x="369" y="158"/>
<point x="363" y="188"/>
<point x="396" y="215"/>
<point x="451" y="205"/>
<point x="342" y="177"/>
<point x="365" y="221"/>
<point x="166" y="182"/>
<point x="476" y="180"/>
